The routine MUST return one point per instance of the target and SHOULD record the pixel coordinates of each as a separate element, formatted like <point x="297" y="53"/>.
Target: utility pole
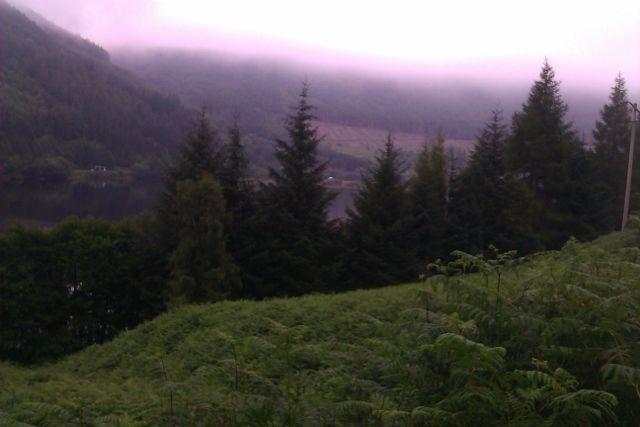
<point x="627" y="192"/>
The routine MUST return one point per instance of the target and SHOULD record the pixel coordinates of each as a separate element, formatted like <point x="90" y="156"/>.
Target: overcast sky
<point x="588" y="41"/>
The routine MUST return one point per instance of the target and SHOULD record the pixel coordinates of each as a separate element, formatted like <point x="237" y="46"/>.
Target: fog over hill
<point x="261" y="89"/>
<point x="68" y="103"/>
<point x="64" y="104"/>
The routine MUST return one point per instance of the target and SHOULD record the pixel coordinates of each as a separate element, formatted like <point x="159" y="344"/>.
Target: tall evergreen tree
<point x="379" y="228"/>
<point x="298" y="183"/>
<point x="199" y="153"/>
<point x="296" y="250"/>
<point x="233" y="168"/>
<point x="487" y="206"/>
<point x="542" y="141"/>
<point x="611" y="149"/>
<point x="545" y="152"/>
<point x="201" y="269"/>
<point x="247" y="225"/>
<point x="428" y="191"/>
<point x="192" y="219"/>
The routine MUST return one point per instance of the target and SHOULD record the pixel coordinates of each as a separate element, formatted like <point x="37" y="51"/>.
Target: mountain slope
<point x="262" y="89"/>
<point x="500" y="349"/>
<point x="61" y="97"/>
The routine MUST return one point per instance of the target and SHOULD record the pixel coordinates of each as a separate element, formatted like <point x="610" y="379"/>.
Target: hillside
<point x="65" y="105"/>
<point x="366" y="142"/>
<point x="261" y="89"/>
<point x="550" y="339"/>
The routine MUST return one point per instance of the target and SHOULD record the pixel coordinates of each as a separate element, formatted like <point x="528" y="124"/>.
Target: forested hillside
<point x="551" y="339"/>
<point x="262" y="89"/>
<point x="216" y="233"/>
<point x="64" y="105"/>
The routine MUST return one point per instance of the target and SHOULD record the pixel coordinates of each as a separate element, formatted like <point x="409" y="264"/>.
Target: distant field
<point x="364" y="142"/>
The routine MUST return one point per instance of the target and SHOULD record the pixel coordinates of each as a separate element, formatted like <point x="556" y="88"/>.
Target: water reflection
<point x="45" y="206"/>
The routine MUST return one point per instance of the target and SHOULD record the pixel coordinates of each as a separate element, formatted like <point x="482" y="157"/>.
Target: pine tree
<point x="546" y="154"/>
<point x="379" y="228"/>
<point x="247" y="225"/>
<point x="487" y="206"/>
<point x="199" y="153"/>
<point x="611" y="134"/>
<point x="234" y="167"/>
<point x="542" y="141"/>
<point x="428" y="192"/>
<point x="201" y="270"/>
<point x="298" y="185"/>
<point x="192" y="220"/>
<point x="295" y="252"/>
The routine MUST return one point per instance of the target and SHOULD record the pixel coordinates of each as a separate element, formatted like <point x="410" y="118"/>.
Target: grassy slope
<point x="318" y="359"/>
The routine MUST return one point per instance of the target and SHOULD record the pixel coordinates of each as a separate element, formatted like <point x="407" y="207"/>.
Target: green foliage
<point x="234" y="167"/>
<point x="428" y="193"/>
<point x="380" y="248"/>
<point x="293" y="251"/>
<point x="487" y="206"/>
<point x="549" y="340"/>
<point x="199" y="153"/>
<point x="201" y="270"/>
<point x="611" y="150"/>
<point x="62" y="98"/>
<point x="545" y="153"/>
<point x="193" y="220"/>
<point x="78" y="283"/>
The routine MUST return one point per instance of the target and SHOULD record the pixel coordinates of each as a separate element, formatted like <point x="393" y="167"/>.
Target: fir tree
<point x="545" y="152"/>
<point x="247" y="222"/>
<point x="197" y="157"/>
<point x="298" y="184"/>
<point x="199" y="153"/>
<point x="611" y="149"/>
<point x="428" y="192"/>
<point x="201" y="270"/>
<point x="233" y="168"/>
<point x="379" y="228"/>
<point x="542" y="141"/>
<point x="295" y="252"/>
<point x="192" y="220"/>
<point x="487" y="206"/>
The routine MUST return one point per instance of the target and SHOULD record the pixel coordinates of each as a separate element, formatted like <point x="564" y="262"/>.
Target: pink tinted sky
<point x="587" y="41"/>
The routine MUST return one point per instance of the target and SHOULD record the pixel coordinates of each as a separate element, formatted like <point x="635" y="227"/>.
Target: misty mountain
<point x="64" y="104"/>
<point x="67" y="103"/>
<point x="262" y="89"/>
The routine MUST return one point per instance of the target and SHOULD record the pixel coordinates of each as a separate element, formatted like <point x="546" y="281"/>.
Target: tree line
<point x="217" y="234"/>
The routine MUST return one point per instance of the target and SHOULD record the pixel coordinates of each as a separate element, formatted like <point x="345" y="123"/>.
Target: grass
<point x="358" y="358"/>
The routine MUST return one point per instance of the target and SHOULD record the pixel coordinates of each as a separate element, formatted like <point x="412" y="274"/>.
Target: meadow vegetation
<point x="550" y="339"/>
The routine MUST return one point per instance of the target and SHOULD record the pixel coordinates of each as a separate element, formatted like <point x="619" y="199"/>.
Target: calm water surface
<point x="45" y="206"/>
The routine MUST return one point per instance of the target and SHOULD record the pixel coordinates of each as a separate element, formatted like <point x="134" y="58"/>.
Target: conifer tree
<point x="379" y="228"/>
<point x="192" y="220"/>
<point x="196" y="157"/>
<point x="546" y="154"/>
<point x="201" y="270"/>
<point x="247" y="224"/>
<point x="199" y="153"/>
<point x="295" y="252"/>
<point x="298" y="184"/>
<point x="487" y="206"/>
<point x="611" y="149"/>
<point x="233" y="167"/>
<point x="542" y="141"/>
<point x="428" y="191"/>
